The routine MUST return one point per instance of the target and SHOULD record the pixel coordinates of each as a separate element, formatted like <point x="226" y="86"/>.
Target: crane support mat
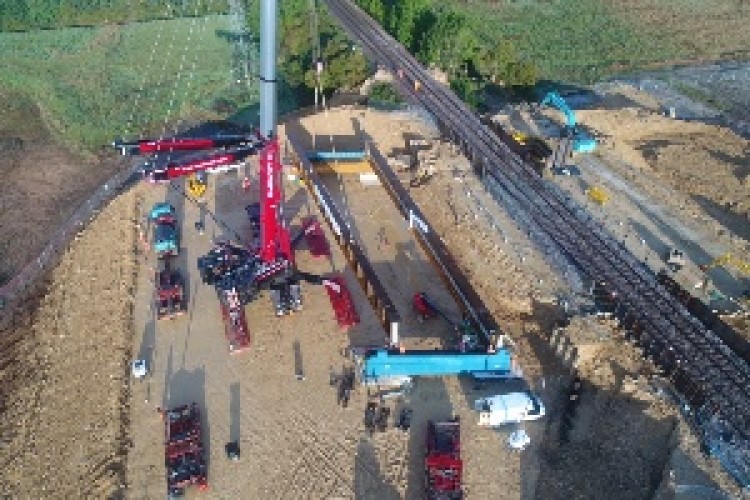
<point x="341" y="301"/>
<point x="315" y="238"/>
<point x="235" y="328"/>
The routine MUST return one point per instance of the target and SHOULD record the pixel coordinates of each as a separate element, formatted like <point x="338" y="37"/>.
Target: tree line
<point x="443" y="37"/>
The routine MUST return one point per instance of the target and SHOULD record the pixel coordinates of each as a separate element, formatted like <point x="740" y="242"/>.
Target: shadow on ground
<point x="733" y="222"/>
<point x="369" y="483"/>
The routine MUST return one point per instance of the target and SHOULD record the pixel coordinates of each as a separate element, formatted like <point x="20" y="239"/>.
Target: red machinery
<point x="169" y="296"/>
<point x="315" y="238"/>
<point x="423" y="307"/>
<point x="341" y="299"/>
<point x="235" y="323"/>
<point x="243" y="146"/>
<point x="443" y="465"/>
<point x="183" y="449"/>
<point x="239" y="273"/>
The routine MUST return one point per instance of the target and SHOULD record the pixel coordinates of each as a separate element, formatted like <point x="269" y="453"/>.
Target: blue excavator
<point x="582" y="142"/>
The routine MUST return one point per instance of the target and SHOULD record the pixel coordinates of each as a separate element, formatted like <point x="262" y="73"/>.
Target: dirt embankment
<point x="43" y="183"/>
<point x="707" y="164"/>
<point x="64" y="369"/>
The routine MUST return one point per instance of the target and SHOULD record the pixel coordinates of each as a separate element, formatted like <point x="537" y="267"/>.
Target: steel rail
<point x="723" y="378"/>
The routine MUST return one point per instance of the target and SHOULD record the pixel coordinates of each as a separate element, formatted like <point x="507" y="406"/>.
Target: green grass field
<point x="94" y="84"/>
<point x="586" y="40"/>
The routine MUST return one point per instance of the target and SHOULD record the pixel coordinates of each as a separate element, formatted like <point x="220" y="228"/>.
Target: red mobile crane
<point x="226" y="159"/>
<point x="236" y="272"/>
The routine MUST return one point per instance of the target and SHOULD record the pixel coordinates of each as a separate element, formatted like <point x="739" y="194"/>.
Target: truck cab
<point x="166" y="237"/>
<point x="509" y="408"/>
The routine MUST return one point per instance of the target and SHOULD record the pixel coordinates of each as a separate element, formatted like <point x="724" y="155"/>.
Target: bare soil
<point x="65" y="370"/>
<point x="43" y="182"/>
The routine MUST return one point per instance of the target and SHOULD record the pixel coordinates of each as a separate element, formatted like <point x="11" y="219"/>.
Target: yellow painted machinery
<point x="729" y="261"/>
<point x="598" y="195"/>
<point x="197" y="184"/>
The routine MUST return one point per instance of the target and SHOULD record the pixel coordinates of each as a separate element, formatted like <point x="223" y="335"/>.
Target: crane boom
<point x="153" y="146"/>
<point x="274" y="235"/>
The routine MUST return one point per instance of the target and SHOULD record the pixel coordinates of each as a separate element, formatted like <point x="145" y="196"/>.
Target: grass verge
<point x="94" y="84"/>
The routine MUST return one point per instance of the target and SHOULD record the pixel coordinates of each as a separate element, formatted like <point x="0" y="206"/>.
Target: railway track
<point x="703" y="368"/>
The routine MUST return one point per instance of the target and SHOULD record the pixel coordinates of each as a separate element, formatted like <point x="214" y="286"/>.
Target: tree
<point x="493" y="62"/>
<point x="375" y="9"/>
<point x="346" y="67"/>
<point x="384" y="92"/>
<point x="404" y="25"/>
<point x="521" y="74"/>
<point x="448" y="42"/>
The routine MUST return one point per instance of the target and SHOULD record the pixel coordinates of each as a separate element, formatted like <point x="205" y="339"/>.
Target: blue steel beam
<point x="384" y="364"/>
<point x="337" y="155"/>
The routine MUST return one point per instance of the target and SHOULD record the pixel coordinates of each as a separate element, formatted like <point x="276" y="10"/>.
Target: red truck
<point x="443" y="465"/>
<point x="183" y="450"/>
<point x="169" y="296"/>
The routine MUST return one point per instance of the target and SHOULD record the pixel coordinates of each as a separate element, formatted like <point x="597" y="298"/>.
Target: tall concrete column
<point x="268" y="43"/>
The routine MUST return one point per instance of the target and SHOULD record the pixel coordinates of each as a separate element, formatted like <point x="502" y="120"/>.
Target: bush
<point x="384" y="93"/>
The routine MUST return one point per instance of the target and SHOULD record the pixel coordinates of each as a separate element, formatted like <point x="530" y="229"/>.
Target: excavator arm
<point x="582" y="142"/>
<point x="557" y="101"/>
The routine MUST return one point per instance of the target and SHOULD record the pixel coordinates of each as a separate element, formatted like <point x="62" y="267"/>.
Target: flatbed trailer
<point x="184" y="458"/>
<point x="235" y="323"/>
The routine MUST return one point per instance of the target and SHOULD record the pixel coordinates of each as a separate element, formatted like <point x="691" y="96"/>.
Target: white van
<point x="509" y="408"/>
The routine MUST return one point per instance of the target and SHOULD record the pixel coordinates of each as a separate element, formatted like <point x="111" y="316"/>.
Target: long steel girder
<point x="659" y="321"/>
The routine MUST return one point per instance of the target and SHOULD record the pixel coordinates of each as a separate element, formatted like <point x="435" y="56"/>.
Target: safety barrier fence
<point x="20" y="285"/>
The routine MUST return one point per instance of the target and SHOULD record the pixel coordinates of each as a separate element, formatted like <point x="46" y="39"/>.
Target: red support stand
<point x="315" y="238"/>
<point x="341" y="301"/>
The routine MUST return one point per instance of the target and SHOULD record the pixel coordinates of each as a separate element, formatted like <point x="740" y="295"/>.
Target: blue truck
<point x="166" y="238"/>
